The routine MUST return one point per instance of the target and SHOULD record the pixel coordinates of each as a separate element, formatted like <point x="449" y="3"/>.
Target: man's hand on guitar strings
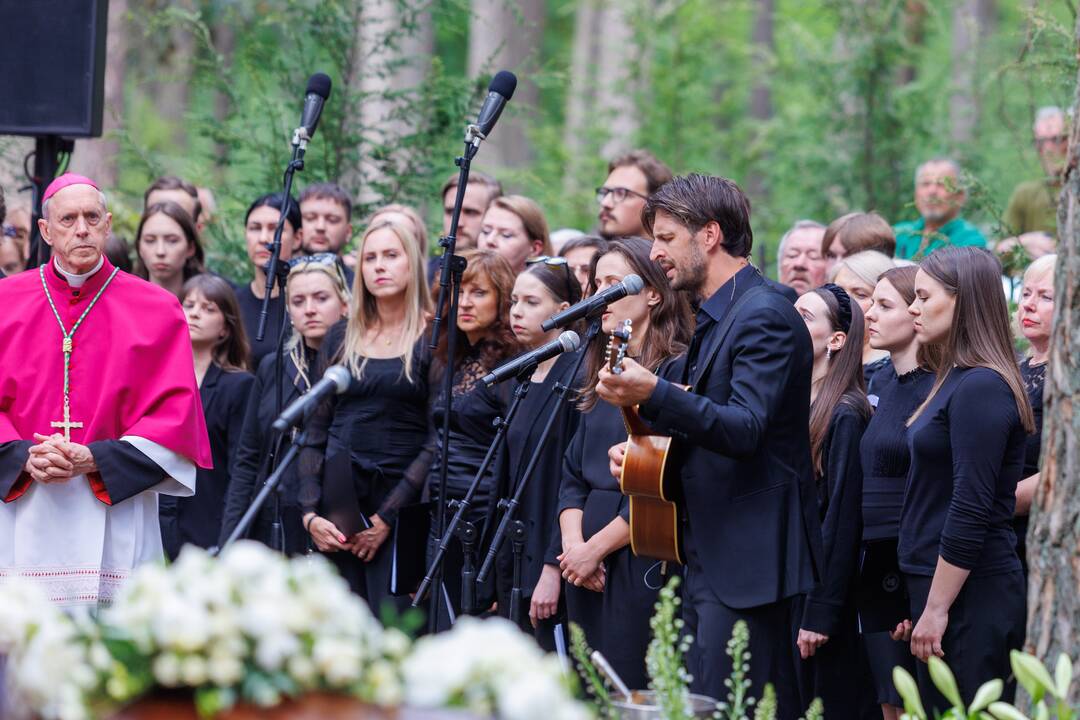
<point x="633" y="386"/>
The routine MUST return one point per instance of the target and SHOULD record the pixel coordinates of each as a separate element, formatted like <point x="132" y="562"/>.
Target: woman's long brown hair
<point x="902" y="279"/>
<point x="232" y="352"/>
<point x="195" y="264"/>
<point x="500" y="342"/>
<point x="670" y="320"/>
<point x="980" y="335"/>
<point x="843" y="382"/>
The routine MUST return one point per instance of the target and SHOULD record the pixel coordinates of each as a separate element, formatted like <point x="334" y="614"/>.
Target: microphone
<point x="630" y="285"/>
<point x="500" y="91"/>
<point x="335" y="381"/>
<point x="567" y="342"/>
<point x="318" y="90"/>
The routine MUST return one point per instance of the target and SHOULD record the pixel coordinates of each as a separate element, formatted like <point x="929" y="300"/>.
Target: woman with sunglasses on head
<point x="260" y="223"/>
<point x="221" y="369"/>
<point x="610" y="592"/>
<point x="546" y="287"/>
<point x="828" y="637"/>
<point x="362" y="442"/>
<point x="515" y="227"/>
<point x="900" y="388"/>
<point x="317" y="300"/>
<point x="168" y="249"/>
<point x="957" y="546"/>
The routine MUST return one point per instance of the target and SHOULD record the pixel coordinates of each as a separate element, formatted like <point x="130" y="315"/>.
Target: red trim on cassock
<point x="98" y="486"/>
<point x="19" y="488"/>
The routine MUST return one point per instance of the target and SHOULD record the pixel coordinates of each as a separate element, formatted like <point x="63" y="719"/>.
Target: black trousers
<point x="772" y="643"/>
<point x="985" y="622"/>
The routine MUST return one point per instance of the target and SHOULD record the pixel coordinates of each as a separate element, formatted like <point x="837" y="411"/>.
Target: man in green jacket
<point x="939" y="198"/>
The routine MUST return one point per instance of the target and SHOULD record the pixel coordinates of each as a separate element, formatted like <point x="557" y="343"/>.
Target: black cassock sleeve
<point x="124" y="470"/>
<point x="13" y="457"/>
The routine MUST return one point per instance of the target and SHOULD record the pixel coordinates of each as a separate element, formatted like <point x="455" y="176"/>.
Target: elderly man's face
<point x="802" y="267"/>
<point x="77" y="227"/>
<point x="938" y="195"/>
<point x="1052" y="143"/>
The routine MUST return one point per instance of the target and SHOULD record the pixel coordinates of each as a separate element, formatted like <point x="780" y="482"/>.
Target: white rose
<point x="166" y="669"/>
<point x="193" y="671"/>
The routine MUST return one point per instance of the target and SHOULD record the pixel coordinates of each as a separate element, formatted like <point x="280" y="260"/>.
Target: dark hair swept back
<point x="277" y="201"/>
<point x="695" y="200"/>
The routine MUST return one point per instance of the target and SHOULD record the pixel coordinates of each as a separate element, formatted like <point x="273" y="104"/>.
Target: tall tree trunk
<point x="580" y="97"/>
<point x="1054" y="535"/>
<point x="224" y="38"/>
<point x="915" y="13"/>
<point x="972" y="20"/>
<point x="97" y="157"/>
<point x="616" y="86"/>
<point x="505" y="35"/>
<point x="170" y="90"/>
<point x="761" y="109"/>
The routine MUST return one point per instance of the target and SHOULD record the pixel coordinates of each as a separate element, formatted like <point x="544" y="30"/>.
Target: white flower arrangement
<point x="252" y="626"/>
<point x="492" y="669"/>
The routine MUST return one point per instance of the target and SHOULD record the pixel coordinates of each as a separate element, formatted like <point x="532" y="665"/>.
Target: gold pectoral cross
<point x="67" y="424"/>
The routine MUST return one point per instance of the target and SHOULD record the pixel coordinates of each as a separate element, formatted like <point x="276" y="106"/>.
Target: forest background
<point x="817" y="109"/>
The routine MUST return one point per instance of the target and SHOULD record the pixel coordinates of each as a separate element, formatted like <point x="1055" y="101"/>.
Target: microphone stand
<point x="453" y="267"/>
<point x="510" y="505"/>
<point x="463" y="505"/>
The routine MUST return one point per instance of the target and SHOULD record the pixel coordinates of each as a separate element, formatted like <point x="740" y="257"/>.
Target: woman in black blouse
<point x="317" y="299"/>
<point x="610" y="592"/>
<point x="361" y="443"/>
<point x="885" y="460"/>
<point x="546" y="287"/>
<point x="957" y="547"/>
<point x="828" y="635"/>
<point x="221" y="369"/>
<point x="1035" y="316"/>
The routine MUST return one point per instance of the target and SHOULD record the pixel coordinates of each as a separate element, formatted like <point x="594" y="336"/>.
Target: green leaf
<point x="909" y="692"/>
<point x="1063" y="675"/>
<point x="945" y="681"/>
<point x="988" y="693"/>
<point x="1005" y="711"/>
<point x="1041" y="711"/>
<point x="1032" y="674"/>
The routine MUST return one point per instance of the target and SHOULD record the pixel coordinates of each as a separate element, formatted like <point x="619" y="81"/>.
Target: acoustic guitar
<point x="648" y="474"/>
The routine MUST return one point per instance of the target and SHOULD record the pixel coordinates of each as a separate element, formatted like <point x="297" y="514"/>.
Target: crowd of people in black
<point x="858" y="447"/>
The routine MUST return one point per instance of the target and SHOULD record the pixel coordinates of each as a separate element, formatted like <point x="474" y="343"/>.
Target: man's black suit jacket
<point x="742" y="434"/>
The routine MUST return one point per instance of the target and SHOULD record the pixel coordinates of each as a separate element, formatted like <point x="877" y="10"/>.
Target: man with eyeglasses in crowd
<point x="1031" y="216"/>
<point x="631" y="179"/>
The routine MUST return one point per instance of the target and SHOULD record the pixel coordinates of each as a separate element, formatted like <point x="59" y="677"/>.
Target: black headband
<point x="843" y="300"/>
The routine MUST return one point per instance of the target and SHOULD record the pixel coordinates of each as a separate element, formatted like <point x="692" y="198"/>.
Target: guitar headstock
<point x="618" y="346"/>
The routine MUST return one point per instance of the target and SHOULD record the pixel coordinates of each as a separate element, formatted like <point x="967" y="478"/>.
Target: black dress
<point x="874" y="372"/>
<point x="1034" y="381"/>
<point x="360" y="445"/>
<point x="885" y="461"/>
<point x="615" y="621"/>
<point x="835" y="673"/>
<point x="539" y="502"/>
<point x="250" y="309"/>
<point x="967" y="455"/>
<point x="257" y="441"/>
<point x="197" y="520"/>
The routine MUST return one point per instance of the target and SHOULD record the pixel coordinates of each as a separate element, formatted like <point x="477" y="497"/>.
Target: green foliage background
<point x="845" y="134"/>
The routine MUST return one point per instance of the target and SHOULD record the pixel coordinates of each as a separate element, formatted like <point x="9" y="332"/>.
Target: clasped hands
<point x="55" y="459"/>
<point x="363" y="544"/>
<point x="582" y="566"/>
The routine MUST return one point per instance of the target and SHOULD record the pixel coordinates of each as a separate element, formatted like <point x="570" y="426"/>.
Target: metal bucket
<point x="644" y="707"/>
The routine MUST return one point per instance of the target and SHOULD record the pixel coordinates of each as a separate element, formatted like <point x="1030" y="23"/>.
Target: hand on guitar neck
<point x="629" y="388"/>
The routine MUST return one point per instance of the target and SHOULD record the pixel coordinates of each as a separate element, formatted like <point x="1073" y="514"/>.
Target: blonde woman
<point x="858" y="275"/>
<point x="362" y="442"/>
<point x="317" y="298"/>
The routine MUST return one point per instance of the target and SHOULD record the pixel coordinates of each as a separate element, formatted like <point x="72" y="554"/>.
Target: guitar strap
<point x="728" y="321"/>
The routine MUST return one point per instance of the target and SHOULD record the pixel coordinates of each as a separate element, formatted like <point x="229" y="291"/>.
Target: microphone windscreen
<point x="633" y="284"/>
<point x="570" y="341"/>
<point x="319" y="84"/>
<point x="504" y="83"/>
<point x="340" y="376"/>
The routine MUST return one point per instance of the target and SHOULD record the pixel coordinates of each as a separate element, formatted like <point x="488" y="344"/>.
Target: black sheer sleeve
<point x="246" y="458"/>
<point x="313" y="453"/>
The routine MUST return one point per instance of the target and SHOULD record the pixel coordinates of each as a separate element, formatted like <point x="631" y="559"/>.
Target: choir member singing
<point x="317" y="300"/>
<point x="545" y="288"/>
<point x="361" y="443"/>
<point x="900" y="388"/>
<point x="828" y="636"/>
<point x="957" y="546"/>
<point x="610" y="592"/>
<point x="221" y="352"/>
<point x="751" y="533"/>
<point x="168" y="249"/>
<point x="99" y="411"/>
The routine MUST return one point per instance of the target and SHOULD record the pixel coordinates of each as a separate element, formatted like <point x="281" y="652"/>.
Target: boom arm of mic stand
<point x="465" y="503"/>
<point x="510" y="506"/>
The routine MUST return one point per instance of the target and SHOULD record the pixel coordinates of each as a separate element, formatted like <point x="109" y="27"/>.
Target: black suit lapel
<point x="711" y="347"/>
<point x="209" y="388"/>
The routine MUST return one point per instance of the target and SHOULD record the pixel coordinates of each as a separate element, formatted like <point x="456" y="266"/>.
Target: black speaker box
<point x="52" y="67"/>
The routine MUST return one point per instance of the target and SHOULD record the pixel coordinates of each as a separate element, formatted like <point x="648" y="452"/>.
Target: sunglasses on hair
<point x="324" y="259"/>
<point x="555" y="262"/>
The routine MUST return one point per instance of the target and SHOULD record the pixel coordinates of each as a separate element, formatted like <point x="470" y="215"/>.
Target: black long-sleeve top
<point x="884" y="450"/>
<point x="967" y="454"/>
<point x="1034" y="380"/>
<point x="380" y="422"/>
<point x="585" y="465"/>
<point x="250" y="310"/>
<point x="197" y="520"/>
<point x="839" y="507"/>
<point x="543" y="541"/>
<point x="257" y="438"/>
